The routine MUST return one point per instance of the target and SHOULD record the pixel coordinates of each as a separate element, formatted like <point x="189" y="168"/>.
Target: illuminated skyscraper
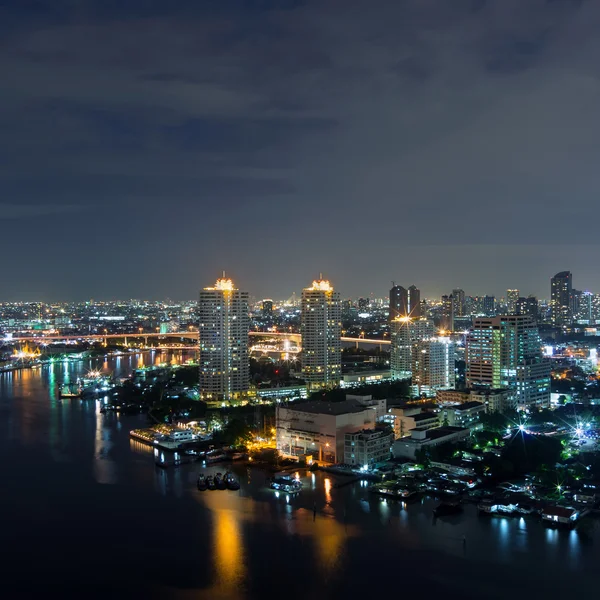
<point x="561" y="298"/>
<point x="506" y="351"/>
<point x="433" y="365"/>
<point x="527" y="306"/>
<point x="404" y="333"/>
<point x="321" y="328"/>
<point x="512" y="296"/>
<point x="223" y="339"/>
<point x="405" y="302"/>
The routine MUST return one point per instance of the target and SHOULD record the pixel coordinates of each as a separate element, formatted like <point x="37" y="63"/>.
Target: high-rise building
<point x="433" y="365"/>
<point x="505" y="351"/>
<point x="321" y="328"/>
<point x="527" y="306"/>
<point x="267" y="308"/>
<point x="489" y="306"/>
<point x="585" y="309"/>
<point x="447" y="314"/>
<point x="458" y="302"/>
<point x="561" y="299"/>
<point x="404" y="333"/>
<point x="405" y="302"/>
<point x="511" y="301"/>
<point x="363" y="304"/>
<point x="223" y="340"/>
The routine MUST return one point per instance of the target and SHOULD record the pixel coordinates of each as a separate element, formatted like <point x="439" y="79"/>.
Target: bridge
<point x="183" y="335"/>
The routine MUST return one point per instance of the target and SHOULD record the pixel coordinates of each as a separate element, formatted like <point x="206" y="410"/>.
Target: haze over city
<point x="148" y="146"/>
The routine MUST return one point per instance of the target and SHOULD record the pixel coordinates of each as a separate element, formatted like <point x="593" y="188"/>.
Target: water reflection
<point x="105" y="469"/>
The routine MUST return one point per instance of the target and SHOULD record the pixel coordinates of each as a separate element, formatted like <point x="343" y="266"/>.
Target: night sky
<point x="146" y="146"/>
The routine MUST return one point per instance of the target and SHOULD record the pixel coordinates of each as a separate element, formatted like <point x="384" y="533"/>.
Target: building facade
<point x="318" y="427"/>
<point x="505" y="351"/>
<point x="405" y="302"/>
<point x="511" y="301"/>
<point x="561" y="299"/>
<point x="223" y="342"/>
<point x="405" y="331"/>
<point x="433" y="365"/>
<point x="321" y="328"/>
<point x="368" y="447"/>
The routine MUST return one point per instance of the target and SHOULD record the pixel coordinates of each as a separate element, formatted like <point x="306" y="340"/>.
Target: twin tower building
<point x="224" y="326"/>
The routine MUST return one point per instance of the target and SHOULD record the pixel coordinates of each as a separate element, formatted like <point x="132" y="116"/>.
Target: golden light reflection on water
<point x="327" y="490"/>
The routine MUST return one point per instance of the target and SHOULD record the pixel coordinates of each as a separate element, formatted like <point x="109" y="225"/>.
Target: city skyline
<point x="382" y="290"/>
<point x="437" y="120"/>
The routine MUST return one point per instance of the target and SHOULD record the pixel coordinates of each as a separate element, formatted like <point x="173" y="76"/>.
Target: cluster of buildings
<point x="223" y="325"/>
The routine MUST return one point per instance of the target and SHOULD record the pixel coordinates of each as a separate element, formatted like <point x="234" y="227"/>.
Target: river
<point x="85" y="513"/>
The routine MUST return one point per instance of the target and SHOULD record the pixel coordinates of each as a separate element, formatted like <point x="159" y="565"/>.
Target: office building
<point x="321" y="328"/>
<point x="511" y="301"/>
<point x="585" y="309"/>
<point x="223" y="342"/>
<point x="489" y="306"/>
<point x="433" y="365"/>
<point x="368" y="448"/>
<point x="561" y="299"/>
<point x="318" y="427"/>
<point x="405" y="302"/>
<point x="505" y="351"/>
<point x="405" y="331"/>
<point x="458" y="303"/>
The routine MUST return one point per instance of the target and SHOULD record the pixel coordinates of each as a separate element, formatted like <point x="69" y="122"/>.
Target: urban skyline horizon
<point x="381" y="293"/>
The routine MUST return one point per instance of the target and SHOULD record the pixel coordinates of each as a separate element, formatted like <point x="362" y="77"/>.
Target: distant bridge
<point x="183" y="335"/>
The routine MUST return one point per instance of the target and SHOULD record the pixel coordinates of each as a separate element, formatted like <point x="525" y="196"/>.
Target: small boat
<point x="285" y="484"/>
<point x="69" y="390"/>
<point x="445" y="509"/>
<point x="201" y="483"/>
<point x="220" y="482"/>
<point x="210" y="483"/>
<point x="231" y="482"/>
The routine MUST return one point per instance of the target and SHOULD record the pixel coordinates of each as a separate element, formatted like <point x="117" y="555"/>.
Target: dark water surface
<point x="86" y="514"/>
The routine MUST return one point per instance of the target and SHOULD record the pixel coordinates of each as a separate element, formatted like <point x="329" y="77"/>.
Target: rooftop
<point x="426" y="416"/>
<point x="438" y="432"/>
<point x="324" y="407"/>
<point x="469" y="405"/>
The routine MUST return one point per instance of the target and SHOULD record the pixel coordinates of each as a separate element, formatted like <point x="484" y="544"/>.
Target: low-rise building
<point x="463" y="415"/>
<point x="407" y="419"/>
<point x="424" y="438"/>
<point x="451" y="396"/>
<point x="368" y="447"/>
<point x="495" y="399"/>
<point x="359" y="378"/>
<point x="317" y="427"/>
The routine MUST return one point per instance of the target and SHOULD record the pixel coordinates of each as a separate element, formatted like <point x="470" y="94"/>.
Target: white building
<point x="433" y="365"/>
<point x="405" y="331"/>
<point x="318" y="427"/>
<point x="368" y="447"/>
<point x="463" y="415"/>
<point x="223" y="339"/>
<point x="404" y="420"/>
<point x="321" y="327"/>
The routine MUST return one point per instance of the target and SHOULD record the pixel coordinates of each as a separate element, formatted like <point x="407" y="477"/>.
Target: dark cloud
<point x="311" y="132"/>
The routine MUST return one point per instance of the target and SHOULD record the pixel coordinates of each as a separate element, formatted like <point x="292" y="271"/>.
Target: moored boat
<point x="210" y="483"/>
<point x="220" y="482"/>
<point x="285" y="483"/>
<point x="201" y="483"/>
<point x="231" y="482"/>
